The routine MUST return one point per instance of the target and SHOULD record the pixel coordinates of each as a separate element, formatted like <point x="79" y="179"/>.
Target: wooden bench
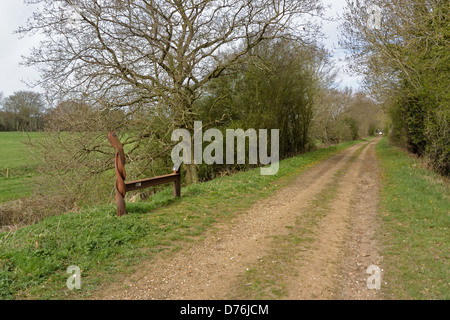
<point x="123" y="187"/>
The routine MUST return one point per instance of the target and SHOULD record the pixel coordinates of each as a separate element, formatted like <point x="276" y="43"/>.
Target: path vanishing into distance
<point x="313" y="239"/>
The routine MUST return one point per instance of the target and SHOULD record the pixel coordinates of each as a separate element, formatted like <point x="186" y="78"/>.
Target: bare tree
<point x="390" y="52"/>
<point x="154" y="53"/>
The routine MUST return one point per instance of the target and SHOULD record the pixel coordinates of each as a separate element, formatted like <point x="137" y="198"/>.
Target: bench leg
<point x="177" y="187"/>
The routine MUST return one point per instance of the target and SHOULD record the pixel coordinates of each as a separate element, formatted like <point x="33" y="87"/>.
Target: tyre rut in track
<point x="335" y="265"/>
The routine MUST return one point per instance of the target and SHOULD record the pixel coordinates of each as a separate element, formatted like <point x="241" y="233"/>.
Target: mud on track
<point x="335" y="203"/>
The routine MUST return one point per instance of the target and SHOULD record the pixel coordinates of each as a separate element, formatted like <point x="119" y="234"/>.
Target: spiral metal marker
<point x="120" y="173"/>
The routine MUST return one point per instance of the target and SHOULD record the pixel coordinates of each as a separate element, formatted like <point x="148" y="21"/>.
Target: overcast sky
<point x="13" y="14"/>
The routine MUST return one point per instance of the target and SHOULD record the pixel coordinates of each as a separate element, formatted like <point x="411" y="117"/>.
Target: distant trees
<point x="22" y="111"/>
<point x="406" y="62"/>
<point x="342" y="115"/>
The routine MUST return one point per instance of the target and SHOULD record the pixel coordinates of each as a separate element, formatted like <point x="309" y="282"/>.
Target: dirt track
<point x="330" y="265"/>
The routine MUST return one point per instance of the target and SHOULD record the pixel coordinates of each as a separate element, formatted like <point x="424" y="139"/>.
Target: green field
<point x="17" y="163"/>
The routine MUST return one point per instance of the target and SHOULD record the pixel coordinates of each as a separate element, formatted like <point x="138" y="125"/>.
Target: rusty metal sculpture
<point x="122" y="187"/>
<point x="120" y="173"/>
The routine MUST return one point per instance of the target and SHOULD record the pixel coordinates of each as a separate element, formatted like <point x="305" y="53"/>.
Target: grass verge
<point x="34" y="259"/>
<point x="415" y="209"/>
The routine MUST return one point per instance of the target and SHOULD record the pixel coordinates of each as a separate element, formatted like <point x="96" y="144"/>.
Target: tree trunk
<point x="191" y="173"/>
<point x="187" y="122"/>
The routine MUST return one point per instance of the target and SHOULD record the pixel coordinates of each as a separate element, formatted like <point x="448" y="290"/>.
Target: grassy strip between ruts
<point x="415" y="210"/>
<point x="34" y="259"/>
